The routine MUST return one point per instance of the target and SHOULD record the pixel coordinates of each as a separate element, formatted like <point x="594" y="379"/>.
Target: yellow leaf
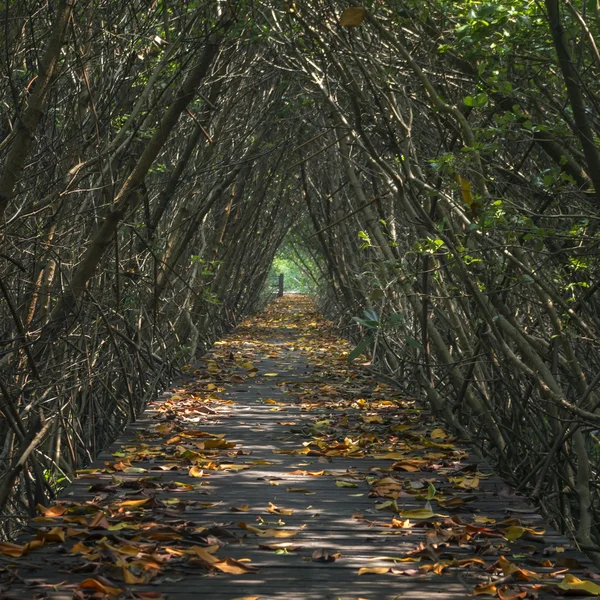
<point x="373" y="570"/>
<point x="570" y="582"/>
<point x="484" y="520"/>
<point x="438" y="434"/>
<point x="465" y="190"/>
<point x="514" y="532"/>
<point x="196" y="472"/>
<point x="352" y="17"/>
<point x="271" y="374"/>
<point x="485" y="590"/>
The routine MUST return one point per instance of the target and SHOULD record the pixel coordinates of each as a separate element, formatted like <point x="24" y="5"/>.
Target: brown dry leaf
<point x="569" y="563"/>
<point x="130" y="578"/>
<point x="218" y="443"/>
<point x="276" y="510"/>
<point x="235" y="567"/>
<point x="196" y="472"/>
<point x="289" y="546"/>
<point x="242" y="508"/>
<point x="352" y="16"/>
<point x="56" y="534"/>
<point x="412" y="466"/>
<point x="299" y="490"/>
<point x="323" y="556"/>
<point x="505" y="593"/>
<point x="202" y="555"/>
<point x="99" y="521"/>
<point x="98" y="586"/>
<point x="81" y="548"/>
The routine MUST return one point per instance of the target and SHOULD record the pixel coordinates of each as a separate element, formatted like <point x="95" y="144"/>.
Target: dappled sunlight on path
<point x="279" y="471"/>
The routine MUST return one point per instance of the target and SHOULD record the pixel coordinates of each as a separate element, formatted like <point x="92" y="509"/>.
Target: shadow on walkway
<point x="279" y="471"/>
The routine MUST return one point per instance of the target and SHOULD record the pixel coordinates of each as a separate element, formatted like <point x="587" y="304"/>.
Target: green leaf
<point x="413" y="343"/>
<point x="431" y="492"/>
<point x="362" y="346"/>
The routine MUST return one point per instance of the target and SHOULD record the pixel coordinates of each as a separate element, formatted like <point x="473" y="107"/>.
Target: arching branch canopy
<point x="429" y="170"/>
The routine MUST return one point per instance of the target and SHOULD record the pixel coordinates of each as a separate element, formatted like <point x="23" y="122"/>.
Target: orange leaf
<point x="94" y="584"/>
<point x="54" y="511"/>
<point x="13" y="550"/>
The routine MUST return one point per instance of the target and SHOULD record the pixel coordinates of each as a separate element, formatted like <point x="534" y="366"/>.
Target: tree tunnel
<point x="429" y="171"/>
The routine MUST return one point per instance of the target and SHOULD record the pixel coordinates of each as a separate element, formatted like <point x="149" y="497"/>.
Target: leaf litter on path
<point x="443" y="511"/>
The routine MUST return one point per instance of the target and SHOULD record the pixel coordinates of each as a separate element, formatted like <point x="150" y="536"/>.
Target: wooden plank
<point x="262" y="417"/>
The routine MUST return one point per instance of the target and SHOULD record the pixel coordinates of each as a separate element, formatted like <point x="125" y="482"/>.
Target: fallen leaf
<point x="488" y="589"/>
<point x="289" y="546"/>
<point x="373" y="570"/>
<point x="276" y="510"/>
<point x="345" y="484"/>
<point x="54" y="511"/>
<point x="278" y="533"/>
<point x="323" y="556"/>
<point x="94" y="584"/>
<point x="56" y="534"/>
<point x="235" y="567"/>
<point x="570" y="582"/>
<point x="299" y="490"/>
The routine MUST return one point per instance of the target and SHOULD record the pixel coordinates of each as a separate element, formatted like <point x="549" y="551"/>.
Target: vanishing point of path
<point x="278" y="471"/>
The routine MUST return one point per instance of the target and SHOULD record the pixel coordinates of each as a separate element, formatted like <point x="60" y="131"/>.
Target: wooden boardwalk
<point x="277" y="471"/>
